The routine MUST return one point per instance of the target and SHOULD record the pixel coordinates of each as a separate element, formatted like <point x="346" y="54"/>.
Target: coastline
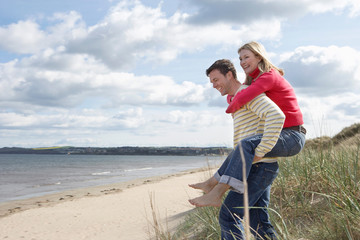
<point x="112" y="211"/>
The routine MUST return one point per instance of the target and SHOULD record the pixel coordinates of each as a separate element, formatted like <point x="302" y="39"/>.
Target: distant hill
<point x="179" y="151"/>
<point x="348" y="137"/>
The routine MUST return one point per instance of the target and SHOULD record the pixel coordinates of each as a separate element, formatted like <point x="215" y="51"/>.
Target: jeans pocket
<point x="265" y="174"/>
<point x="272" y="168"/>
<point x="271" y="171"/>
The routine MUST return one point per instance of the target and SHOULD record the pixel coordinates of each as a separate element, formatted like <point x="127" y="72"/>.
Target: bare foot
<point x="206" y="186"/>
<point x="213" y="198"/>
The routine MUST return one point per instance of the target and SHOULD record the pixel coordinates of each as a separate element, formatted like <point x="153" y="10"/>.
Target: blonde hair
<point x="264" y="65"/>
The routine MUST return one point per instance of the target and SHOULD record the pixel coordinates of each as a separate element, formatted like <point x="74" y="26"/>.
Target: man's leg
<point x="260" y="220"/>
<point x="260" y="179"/>
<point x="231" y="227"/>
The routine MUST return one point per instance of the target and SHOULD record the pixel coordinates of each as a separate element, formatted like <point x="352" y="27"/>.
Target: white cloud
<point x="79" y="84"/>
<point x="23" y="37"/>
<point x="323" y="70"/>
<point x="27" y="37"/>
<point x="337" y="6"/>
<point x="132" y="118"/>
<point x="192" y="119"/>
<point x="328" y="115"/>
<point x="327" y="82"/>
<point x="248" y="11"/>
<point x="58" y="79"/>
<point x="131" y="32"/>
<point x="91" y="127"/>
<point x="56" y="120"/>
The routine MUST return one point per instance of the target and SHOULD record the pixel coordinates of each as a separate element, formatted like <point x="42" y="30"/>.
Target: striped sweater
<point x="259" y="116"/>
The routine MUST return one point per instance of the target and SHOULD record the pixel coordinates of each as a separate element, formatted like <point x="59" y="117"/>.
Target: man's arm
<point x="274" y="120"/>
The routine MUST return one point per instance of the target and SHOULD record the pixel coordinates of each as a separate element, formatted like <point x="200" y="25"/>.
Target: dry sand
<point x="117" y="211"/>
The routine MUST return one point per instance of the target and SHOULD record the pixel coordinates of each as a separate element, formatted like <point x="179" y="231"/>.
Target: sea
<point x="24" y="176"/>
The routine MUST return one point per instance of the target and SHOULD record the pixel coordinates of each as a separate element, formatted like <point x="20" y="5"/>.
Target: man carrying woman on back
<point x="262" y="134"/>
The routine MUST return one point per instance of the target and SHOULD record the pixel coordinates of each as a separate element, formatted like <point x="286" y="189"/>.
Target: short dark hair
<point x="224" y="66"/>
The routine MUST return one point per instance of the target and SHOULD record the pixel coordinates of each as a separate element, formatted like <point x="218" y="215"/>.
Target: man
<point x="257" y="127"/>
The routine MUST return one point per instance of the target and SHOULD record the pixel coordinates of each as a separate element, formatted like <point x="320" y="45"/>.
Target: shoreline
<point x="9" y="207"/>
<point x="124" y="206"/>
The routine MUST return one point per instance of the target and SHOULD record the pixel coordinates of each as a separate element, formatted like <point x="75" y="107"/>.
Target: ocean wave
<point x="46" y="184"/>
<point x="100" y="173"/>
<point x="138" y="169"/>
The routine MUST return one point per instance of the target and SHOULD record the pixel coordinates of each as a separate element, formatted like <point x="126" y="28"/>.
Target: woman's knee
<point x="289" y="144"/>
<point x="251" y="142"/>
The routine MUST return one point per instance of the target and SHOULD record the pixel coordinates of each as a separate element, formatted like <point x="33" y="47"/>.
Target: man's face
<point x="220" y="82"/>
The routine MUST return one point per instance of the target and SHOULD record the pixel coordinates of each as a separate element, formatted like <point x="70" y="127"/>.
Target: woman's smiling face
<point x="248" y="61"/>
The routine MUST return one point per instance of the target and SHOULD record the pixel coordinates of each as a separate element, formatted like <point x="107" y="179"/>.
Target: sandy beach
<point x="117" y="211"/>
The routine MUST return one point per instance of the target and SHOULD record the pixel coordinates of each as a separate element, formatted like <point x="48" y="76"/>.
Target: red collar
<point x="255" y="73"/>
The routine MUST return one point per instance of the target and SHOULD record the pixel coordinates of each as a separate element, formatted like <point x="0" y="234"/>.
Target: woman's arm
<point x="262" y="84"/>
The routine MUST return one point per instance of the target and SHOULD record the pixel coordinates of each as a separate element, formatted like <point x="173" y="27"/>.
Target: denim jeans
<point x="259" y="177"/>
<point x="259" y="181"/>
<point x="290" y="143"/>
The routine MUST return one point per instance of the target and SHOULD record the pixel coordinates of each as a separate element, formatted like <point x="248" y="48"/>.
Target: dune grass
<point x="315" y="196"/>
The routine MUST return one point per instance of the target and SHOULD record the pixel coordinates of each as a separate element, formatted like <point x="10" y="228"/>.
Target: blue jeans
<point x="260" y="179"/>
<point x="290" y="143"/>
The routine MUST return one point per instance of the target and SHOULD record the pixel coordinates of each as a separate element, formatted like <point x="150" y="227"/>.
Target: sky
<point x="107" y="73"/>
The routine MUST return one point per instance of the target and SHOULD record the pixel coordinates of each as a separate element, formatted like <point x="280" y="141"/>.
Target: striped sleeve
<point x="273" y="118"/>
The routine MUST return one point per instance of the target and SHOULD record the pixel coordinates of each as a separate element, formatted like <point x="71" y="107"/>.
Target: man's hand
<point x="256" y="159"/>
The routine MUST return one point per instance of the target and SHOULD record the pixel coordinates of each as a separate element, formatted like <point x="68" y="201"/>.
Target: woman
<point x="263" y="76"/>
